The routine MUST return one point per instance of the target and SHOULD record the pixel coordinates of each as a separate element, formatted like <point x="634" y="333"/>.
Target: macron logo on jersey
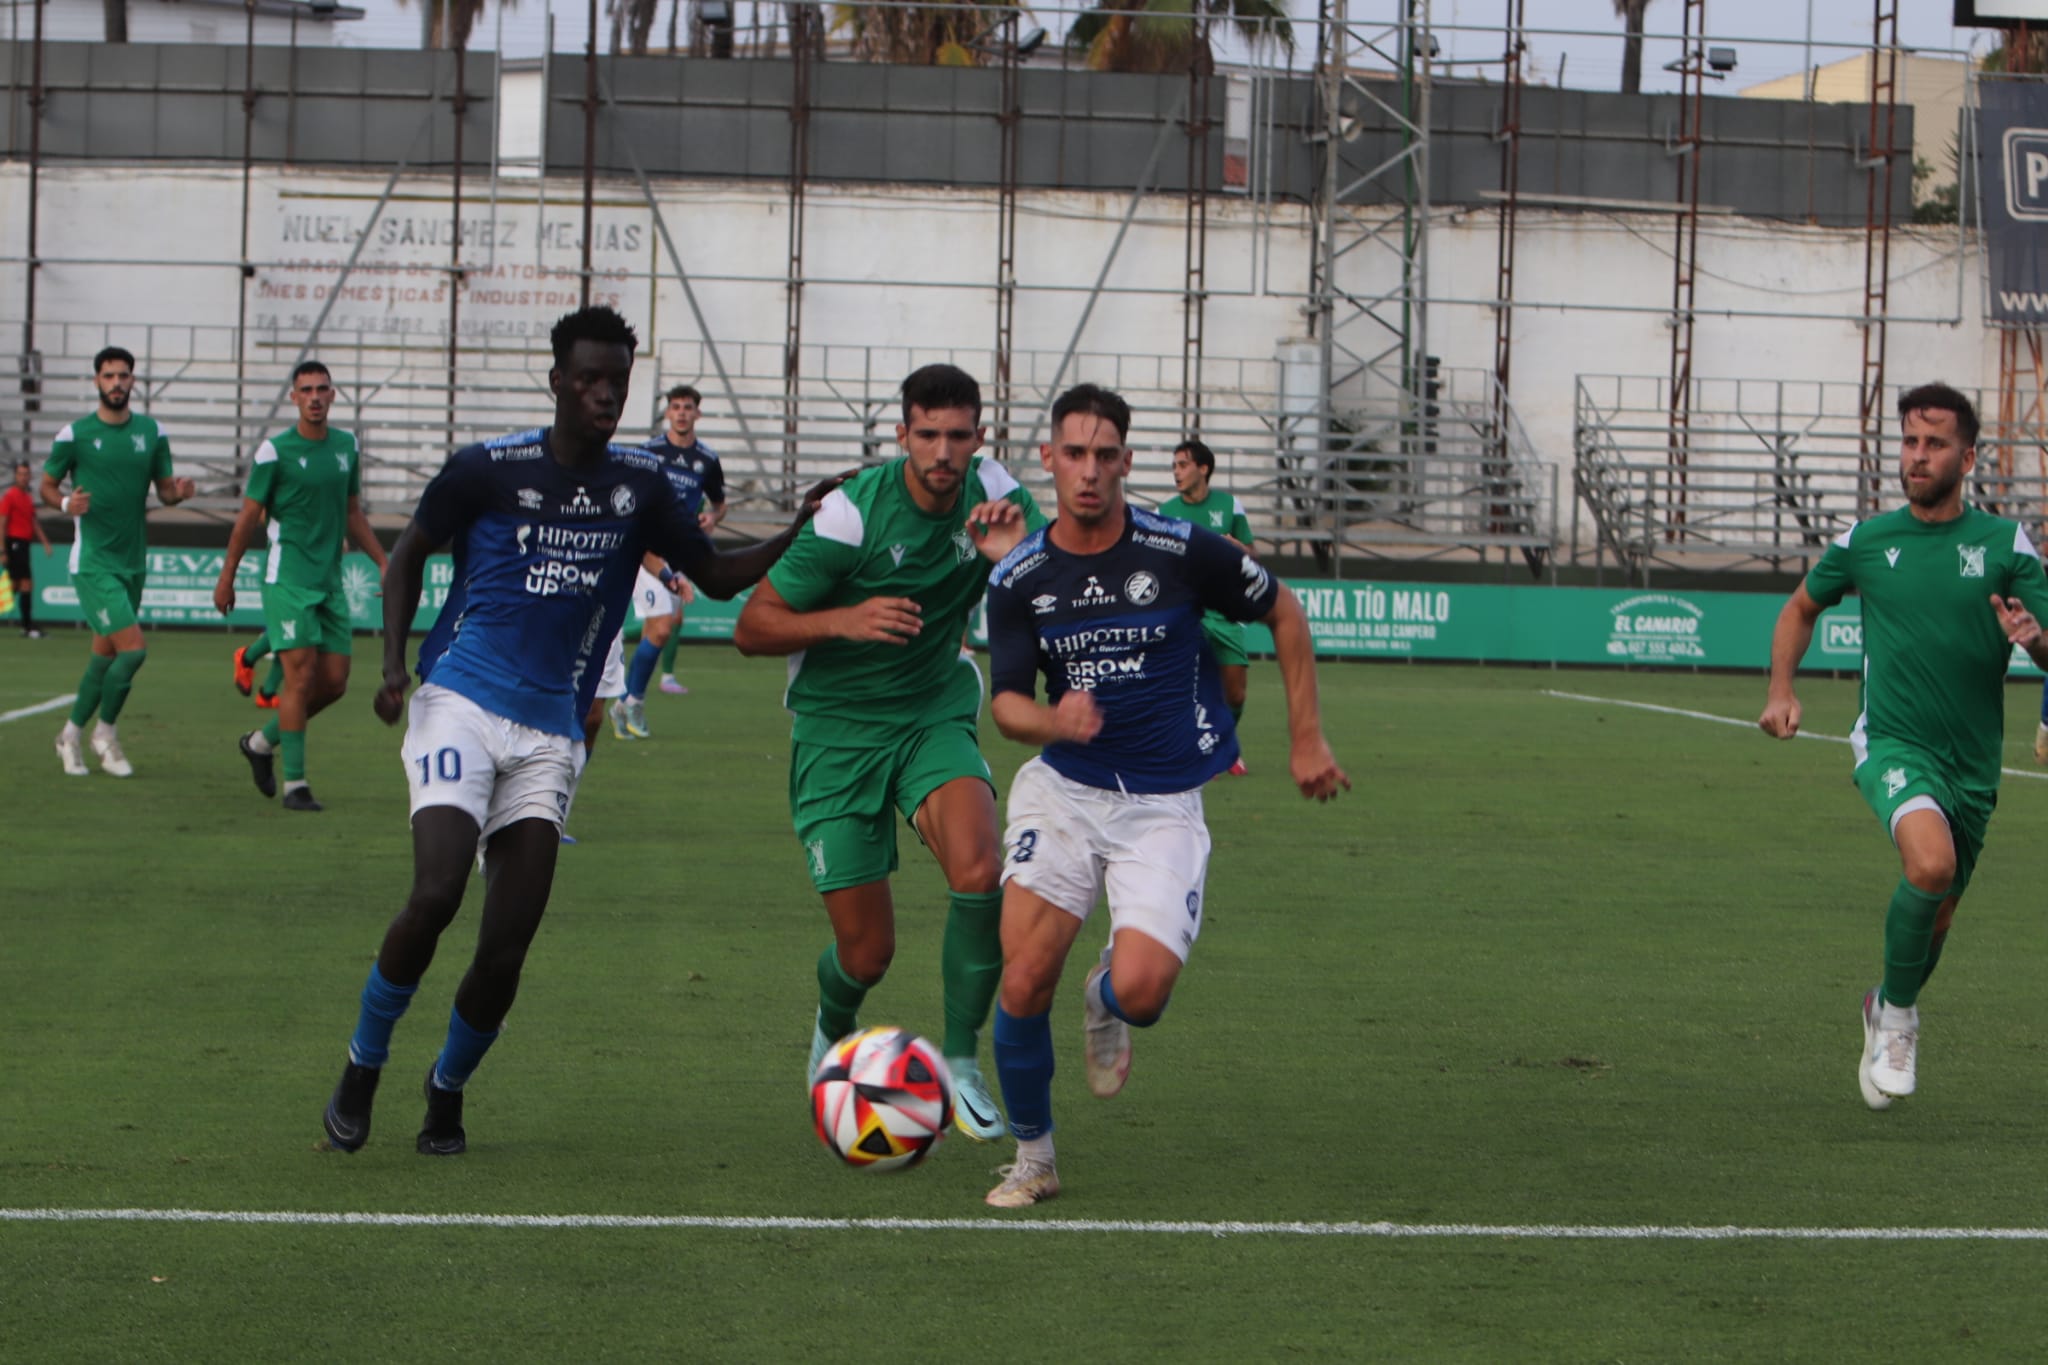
<point x="1891" y="556"/>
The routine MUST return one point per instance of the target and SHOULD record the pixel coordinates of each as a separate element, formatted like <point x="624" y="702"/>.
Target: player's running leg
<point x="519" y="871"/>
<point x="863" y="942"/>
<point x="296" y="705"/>
<point x="443" y="846"/>
<point x="668" y="660"/>
<point x="639" y="673"/>
<point x="86" y="705"/>
<point x="1037" y="935"/>
<point x="957" y="821"/>
<point x="1927" y="857"/>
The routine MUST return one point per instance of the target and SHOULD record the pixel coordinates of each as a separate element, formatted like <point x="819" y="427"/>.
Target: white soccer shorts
<point x="494" y="770"/>
<point x="613" y="683"/>
<point x="1067" y="842"/>
<point x="651" y="597"/>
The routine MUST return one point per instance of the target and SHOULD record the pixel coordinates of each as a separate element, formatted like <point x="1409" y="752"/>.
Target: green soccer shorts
<point x="1896" y="778"/>
<point x="109" y="601"/>
<point x="1226" y="639"/>
<point x="840" y="799"/>
<point x="307" y="618"/>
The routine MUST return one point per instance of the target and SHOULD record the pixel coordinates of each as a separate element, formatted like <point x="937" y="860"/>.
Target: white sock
<point x="259" y="744"/>
<point x="103" y="729"/>
<point x="1892" y="1016"/>
<point x="71" y="732"/>
<point x="1037" y="1151"/>
<point x="292" y="784"/>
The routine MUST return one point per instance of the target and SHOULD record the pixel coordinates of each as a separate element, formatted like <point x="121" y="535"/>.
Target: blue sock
<point x="383" y="1005"/>
<point x="1024" y="1067"/>
<point x="1115" y="1007"/>
<point x="2044" y="701"/>
<point x="460" y="1054"/>
<point x="641" y="671"/>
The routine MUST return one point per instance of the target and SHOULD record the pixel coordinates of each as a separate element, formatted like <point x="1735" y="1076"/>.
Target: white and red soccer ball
<point x="882" y="1099"/>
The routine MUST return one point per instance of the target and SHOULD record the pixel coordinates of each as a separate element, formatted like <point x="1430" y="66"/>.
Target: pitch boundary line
<point x="2027" y="773"/>
<point x="40" y="707"/>
<point x="706" y="1222"/>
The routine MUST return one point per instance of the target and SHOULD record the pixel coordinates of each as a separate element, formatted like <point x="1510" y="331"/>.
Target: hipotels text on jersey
<point x="1104" y="637"/>
<point x="552" y="576"/>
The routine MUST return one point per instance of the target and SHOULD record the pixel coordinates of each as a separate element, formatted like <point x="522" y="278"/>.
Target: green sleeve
<point x="1828" y="580"/>
<point x="1241" y="528"/>
<point x="2029" y="583"/>
<point x="160" y="457"/>
<point x="63" y="457"/>
<point x="812" y="568"/>
<point x="355" y="472"/>
<point x="262" y="475"/>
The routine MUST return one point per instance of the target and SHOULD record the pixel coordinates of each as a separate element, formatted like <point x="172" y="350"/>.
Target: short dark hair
<point x="1096" y="401"/>
<point x="595" y="323"/>
<point x="305" y="367"/>
<point x="1204" y="458"/>
<point x="933" y="387"/>
<point x="1941" y="398"/>
<point x="112" y="353"/>
<point x="688" y="391"/>
<point x="21" y="464"/>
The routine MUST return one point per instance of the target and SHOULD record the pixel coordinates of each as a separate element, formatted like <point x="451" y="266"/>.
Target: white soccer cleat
<point x="1891" y="1044"/>
<point x="2041" y="745"/>
<point x="1108" y="1040"/>
<point x="73" y="753"/>
<point x="1025" y="1183"/>
<point x="112" y="761"/>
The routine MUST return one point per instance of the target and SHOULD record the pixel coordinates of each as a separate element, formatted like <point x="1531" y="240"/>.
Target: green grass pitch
<point x="1552" y="964"/>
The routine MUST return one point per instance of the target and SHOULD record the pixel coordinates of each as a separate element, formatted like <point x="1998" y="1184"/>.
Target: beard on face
<point x="1935" y="493"/>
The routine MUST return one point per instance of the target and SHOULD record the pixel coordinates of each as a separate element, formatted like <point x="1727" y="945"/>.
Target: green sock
<point x="971" y="967"/>
<point x="1933" y="955"/>
<point x="839" y="996"/>
<point x="90" y="687"/>
<point x="1908" y="932"/>
<point x="273" y="735"/>
<point x="294" y="748"/>
<point x="668" y="652"/>
<point x="256" y="648"/>
<point x="274" y="683"/>
<point x="120" y="678"/>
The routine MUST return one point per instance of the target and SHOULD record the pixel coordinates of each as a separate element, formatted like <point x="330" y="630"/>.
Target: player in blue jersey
<point x="546" y="527"/>
<point x="1106" y="601"/>
<point x="660" y="597"/>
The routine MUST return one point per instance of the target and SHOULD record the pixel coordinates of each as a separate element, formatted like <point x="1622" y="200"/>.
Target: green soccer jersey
<point x="1218" y="511"/>
<point x="1934" y="655"/>
<point x="117" y="465"/>
<point x="870" y="539"/>
<point x="306" y="485"/>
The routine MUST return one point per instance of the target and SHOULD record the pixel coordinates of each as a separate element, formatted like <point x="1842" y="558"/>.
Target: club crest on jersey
<point x="1094" y="595"/>
<point x="341" y="460"/>
<point x="581" y="505"/>
<point x="529" y="499"/>
<point x="1972" y="557"/>
<point x="1044" y="603"/>
<point x="140" y="445"/>
<point x="1141" y="587"/>
<point x="622" y="501"/>
<point x="963" y="545"/>
<point x="1894" y="781"/>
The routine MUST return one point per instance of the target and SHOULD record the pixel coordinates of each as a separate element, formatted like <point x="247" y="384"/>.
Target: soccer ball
<point x="882" y="1099"/>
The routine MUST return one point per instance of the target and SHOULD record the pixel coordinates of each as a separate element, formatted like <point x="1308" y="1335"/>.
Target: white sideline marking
<point x="611" y="1222"/>
<point x="40" y="707"/>
<point x="2027" y="773"/>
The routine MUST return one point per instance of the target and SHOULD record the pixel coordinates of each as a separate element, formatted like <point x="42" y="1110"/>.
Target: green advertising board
<point x="1482" y="623"/>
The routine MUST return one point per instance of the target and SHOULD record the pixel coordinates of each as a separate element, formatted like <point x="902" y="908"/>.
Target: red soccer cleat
<point x="267" y="700"/>
<point x="245" y="673"/>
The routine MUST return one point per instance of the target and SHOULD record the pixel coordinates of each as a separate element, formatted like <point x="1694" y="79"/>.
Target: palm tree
<point x="935" y="36"/>
<point x="1163" y="35"/>
<point x="448" y="23"/>
<point x="1631" y="12"/>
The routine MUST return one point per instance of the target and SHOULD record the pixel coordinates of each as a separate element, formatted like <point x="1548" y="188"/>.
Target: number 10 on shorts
<point x="446" y="764"/>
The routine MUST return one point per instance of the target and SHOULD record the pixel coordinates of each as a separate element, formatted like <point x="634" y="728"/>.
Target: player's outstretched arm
<point x="725" y="576"/>
<point x="404" y="574"/>
<point x="998" y="527"/>
<point x="238" y="545"/>
<point x="1309" y="760"/>
<point x="1789" y="639"/>
<point x="768" y="624"/>
<point x="360" y="532"/>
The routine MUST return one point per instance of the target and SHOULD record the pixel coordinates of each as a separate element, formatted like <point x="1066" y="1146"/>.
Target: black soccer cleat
<point x="262" y="767"/>
<point x="442" y="1133"/>
<point x="300" y="798"/>
<point x="347" y="1119"/>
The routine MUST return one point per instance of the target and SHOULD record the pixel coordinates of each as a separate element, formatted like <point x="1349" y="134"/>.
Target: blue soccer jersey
<point x="544" y="563"/>
<point x="1126" y="624"/>
<point x="698" y="459"/>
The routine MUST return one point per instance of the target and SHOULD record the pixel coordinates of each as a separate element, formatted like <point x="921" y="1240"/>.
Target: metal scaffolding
<point x="1877" y="236"/>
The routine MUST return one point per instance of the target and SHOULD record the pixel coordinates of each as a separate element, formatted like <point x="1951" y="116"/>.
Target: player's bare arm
<point x="172" y="491"/>
<point x="998" y="527"/>
<point x="365" y="538"/>
<point x="76" y="503"/>
<point x="1074" y="720"/>
<point x="725" y="575"/>
<point x="1309" y="760"/>
<point x="1789" y="639"/>
<point x="243" y="532"/>
<point x="769" y="625"/>
<point x="2021" y="628"/>
<point x="404" y="576"/>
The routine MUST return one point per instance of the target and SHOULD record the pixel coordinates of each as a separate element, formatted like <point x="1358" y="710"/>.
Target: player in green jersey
<point x="308" y="481"/>
<point x="112" y="457"/>
<point x="872" y="603"/>
<point x="1947" y="591"/>
<point x="1212" y="509"/>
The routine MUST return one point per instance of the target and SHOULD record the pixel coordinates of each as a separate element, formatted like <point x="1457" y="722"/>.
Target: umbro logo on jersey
<point x="1141" y="588"/>
<point x="1972" y="565"/>
<point x="529" y="498"/>
<point x="581" y="505"/>
<point x="896" y="554"/>
<point x="1044" y="603"/>
<point x="622" y="501"/>
<point x="1094" y="595"/>
<point x="1891" y="556"/>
